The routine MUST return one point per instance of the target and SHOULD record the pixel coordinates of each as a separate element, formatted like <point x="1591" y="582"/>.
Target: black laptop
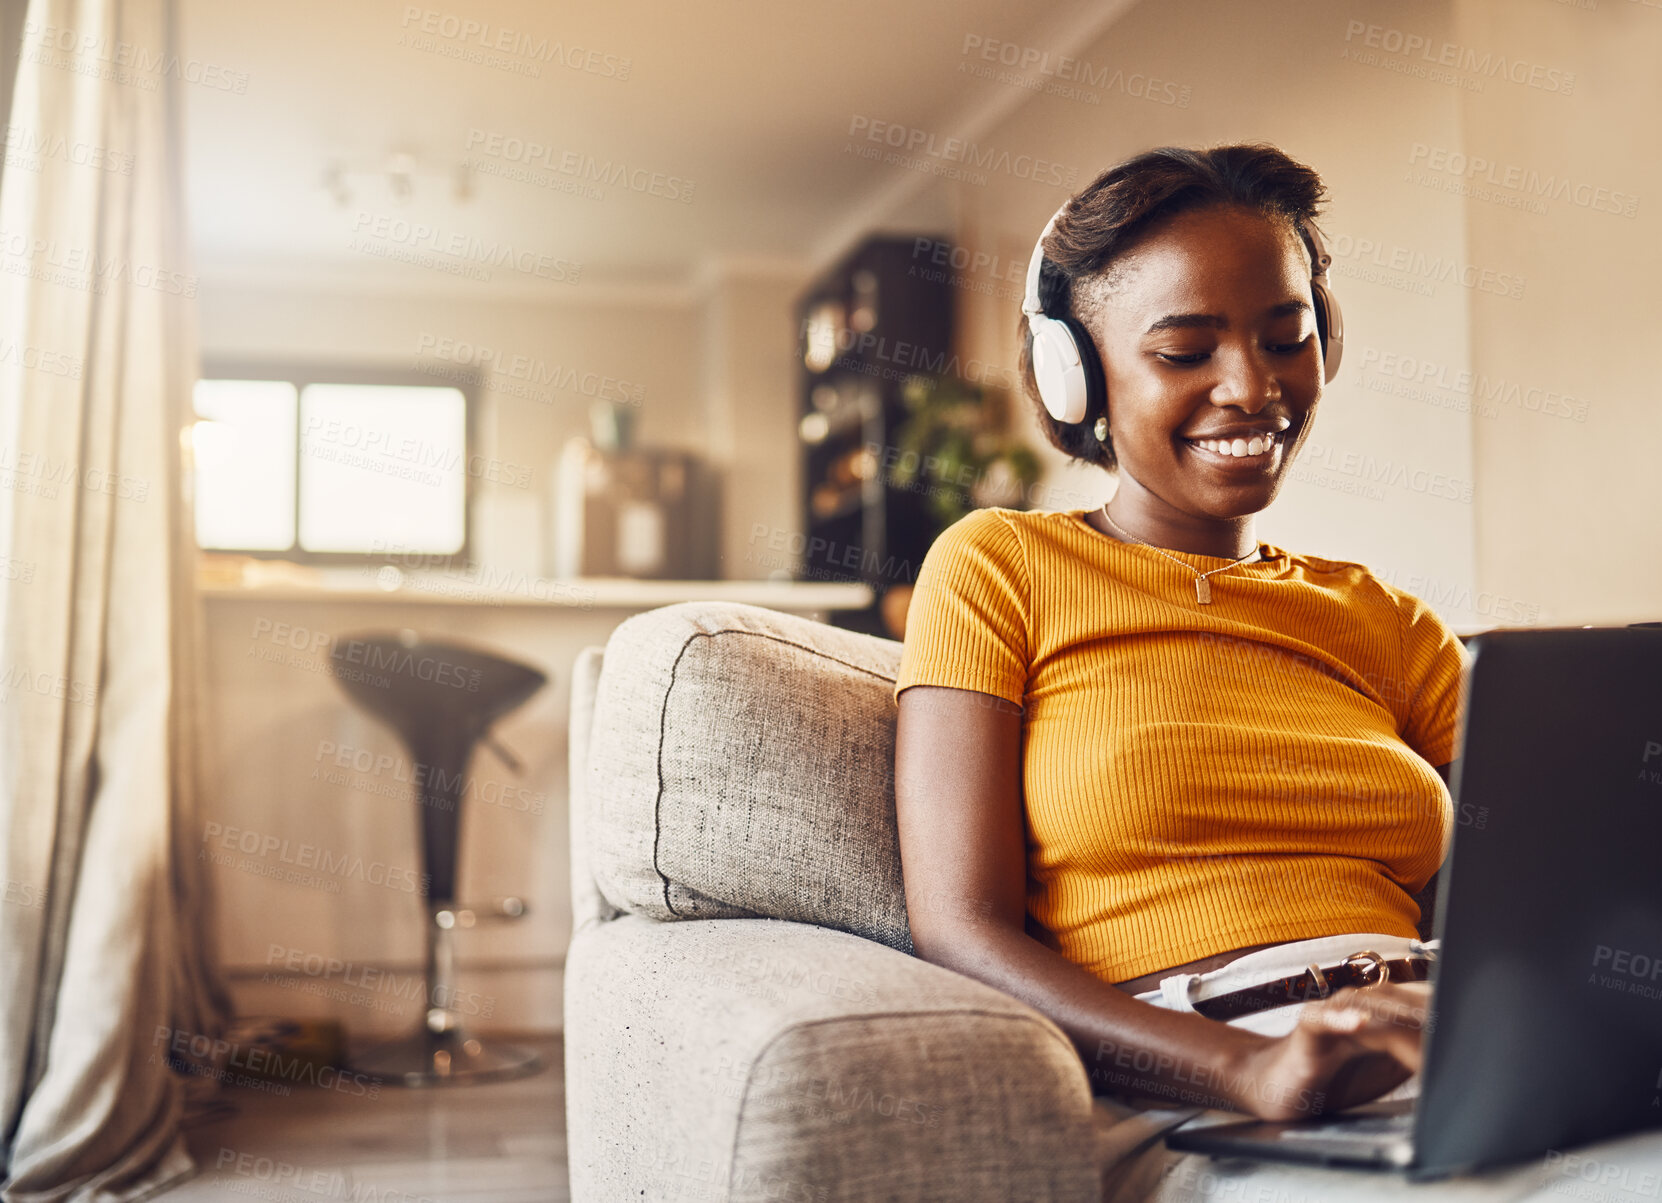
<point x="1545" y="1027"/>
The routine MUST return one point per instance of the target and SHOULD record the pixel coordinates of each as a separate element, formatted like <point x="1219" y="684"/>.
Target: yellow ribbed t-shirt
<point x="1196" y="778"/>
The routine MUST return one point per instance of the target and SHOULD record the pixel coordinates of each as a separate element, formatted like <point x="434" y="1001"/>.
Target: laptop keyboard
<point x="1369" y="1129"/>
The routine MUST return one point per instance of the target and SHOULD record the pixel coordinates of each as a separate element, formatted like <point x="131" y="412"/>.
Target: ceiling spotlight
<point x="334" y="182"/>
<point x="345" y="179"/>
<point x="401" y="166"/>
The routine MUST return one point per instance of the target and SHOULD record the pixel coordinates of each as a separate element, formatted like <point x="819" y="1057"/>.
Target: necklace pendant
<point x="1203" y="591"/>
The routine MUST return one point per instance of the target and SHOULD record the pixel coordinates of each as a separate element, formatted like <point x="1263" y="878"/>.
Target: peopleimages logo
<point x="25" y="148"/>
<point x="907" y="142"/>
<point x="365" y="446"/>
<point x="456" y="36"/>
<point x="849" y="556"/>
<point x="464" y="249"/>
<point x="222" y="1059"/>
<point x="960" y="258"/>
<point x="1525" y="180"/>
<point x="1057" y="72"/>
<point x="873" y="354"/>
<point x="82" y="268"/>
<point x="124" y="62"/>
<point x="1384" y="471"/>
<point x="1627" y="971"/>
<point x="302" y="857"/>
<point x="1444" y="596"/>
<point x="1483" y="63"/>
<point x="1352" y="253"/>
<point x="1491" y="391"/>
<point x="32" y="472"/>
<point x="37" y="359"/>
<point x="586" y="168"/>
<point x="477" y="361"/>
<point x="1651" y="773"/>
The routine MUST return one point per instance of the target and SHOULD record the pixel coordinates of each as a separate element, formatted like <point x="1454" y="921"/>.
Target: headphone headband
<point x="1319" y="258"/>
<point x="1030" y="300"/>
<point x="1330" y="321"/>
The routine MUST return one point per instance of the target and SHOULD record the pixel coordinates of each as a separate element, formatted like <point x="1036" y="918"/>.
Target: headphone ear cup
<point x="1090" y="363"/>
<point x="1330" y="327"/>
<point x="1066" y="368"/>
<point x="1059" y="368"/>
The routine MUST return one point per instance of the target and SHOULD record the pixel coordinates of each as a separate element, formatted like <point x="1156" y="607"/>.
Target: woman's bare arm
<point x="963" y="849"/>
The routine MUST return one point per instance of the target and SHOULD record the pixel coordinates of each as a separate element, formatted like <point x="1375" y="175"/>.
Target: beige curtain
<point x="101" y="930"/>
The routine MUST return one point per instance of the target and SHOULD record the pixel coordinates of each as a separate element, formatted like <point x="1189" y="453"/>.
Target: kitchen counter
<point x="475" y="587"/>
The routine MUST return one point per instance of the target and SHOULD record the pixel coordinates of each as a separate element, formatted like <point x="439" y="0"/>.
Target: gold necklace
<point x="1203" y="587"/>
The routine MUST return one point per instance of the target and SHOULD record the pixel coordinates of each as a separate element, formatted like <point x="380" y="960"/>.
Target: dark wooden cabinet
<point x="881" y="315"/>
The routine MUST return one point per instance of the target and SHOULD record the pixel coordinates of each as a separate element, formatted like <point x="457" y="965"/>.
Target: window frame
<point x="301" y="373"/>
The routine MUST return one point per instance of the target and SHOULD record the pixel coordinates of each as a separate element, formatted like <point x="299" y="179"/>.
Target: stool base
<point x="444" y="1059"/>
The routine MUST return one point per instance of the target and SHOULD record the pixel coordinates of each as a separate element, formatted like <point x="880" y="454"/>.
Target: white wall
<point x="1569" y="515"/>
<point x="751" y="390"/>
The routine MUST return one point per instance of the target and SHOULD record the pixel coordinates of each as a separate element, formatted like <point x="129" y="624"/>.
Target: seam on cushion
<point x="658" y="799"/>
<point x="663" y="722"/>
<point x="738" y="1123"/>
<point x="792" y="643"/>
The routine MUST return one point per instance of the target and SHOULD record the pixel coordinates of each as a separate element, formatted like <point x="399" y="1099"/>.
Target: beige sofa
<point x="744" y="1018"/>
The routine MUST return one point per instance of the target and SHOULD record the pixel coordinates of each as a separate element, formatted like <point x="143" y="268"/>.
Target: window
<point x="330" y="465"/>
<point x="244" y="452"/>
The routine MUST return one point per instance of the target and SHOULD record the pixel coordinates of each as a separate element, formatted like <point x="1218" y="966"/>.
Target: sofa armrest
<point x="588" y="905"/>
<point x="760" y="1059"/>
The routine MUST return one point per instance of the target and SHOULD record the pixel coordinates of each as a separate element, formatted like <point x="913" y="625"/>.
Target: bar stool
<point x="441" y="699"/>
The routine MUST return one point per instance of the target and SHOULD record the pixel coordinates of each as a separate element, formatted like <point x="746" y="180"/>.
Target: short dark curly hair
<point x="1107" y="218"/>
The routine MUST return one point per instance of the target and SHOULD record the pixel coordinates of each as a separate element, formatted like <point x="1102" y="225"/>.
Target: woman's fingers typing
<point x="1389" y="1017"/>
<point x="1346" y="1049"/>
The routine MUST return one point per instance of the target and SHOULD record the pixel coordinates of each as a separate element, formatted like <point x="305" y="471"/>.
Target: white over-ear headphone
<point x="1065" y="386"/>
<point x="1065" y="365"/>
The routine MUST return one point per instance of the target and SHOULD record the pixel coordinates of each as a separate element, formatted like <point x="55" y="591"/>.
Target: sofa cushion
<point x="753" y="1060"/>
<point x="741" y="765"/>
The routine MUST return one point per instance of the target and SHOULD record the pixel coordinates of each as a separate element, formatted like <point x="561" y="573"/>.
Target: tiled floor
<point x="499" y="1143"/>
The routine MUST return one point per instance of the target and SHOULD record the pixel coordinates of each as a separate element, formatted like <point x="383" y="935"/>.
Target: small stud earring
<point x="1102" y="429"/>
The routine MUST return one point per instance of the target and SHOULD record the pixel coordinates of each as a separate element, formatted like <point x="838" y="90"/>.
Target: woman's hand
<point x="1348" y="1048"/>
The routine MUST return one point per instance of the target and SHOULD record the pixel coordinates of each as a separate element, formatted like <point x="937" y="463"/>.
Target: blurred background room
<point x="492" y="325"/>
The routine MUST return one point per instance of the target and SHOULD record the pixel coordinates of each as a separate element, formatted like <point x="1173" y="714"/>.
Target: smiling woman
<point x="1124" y="268"/>
<point x="1213" y="747"/>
